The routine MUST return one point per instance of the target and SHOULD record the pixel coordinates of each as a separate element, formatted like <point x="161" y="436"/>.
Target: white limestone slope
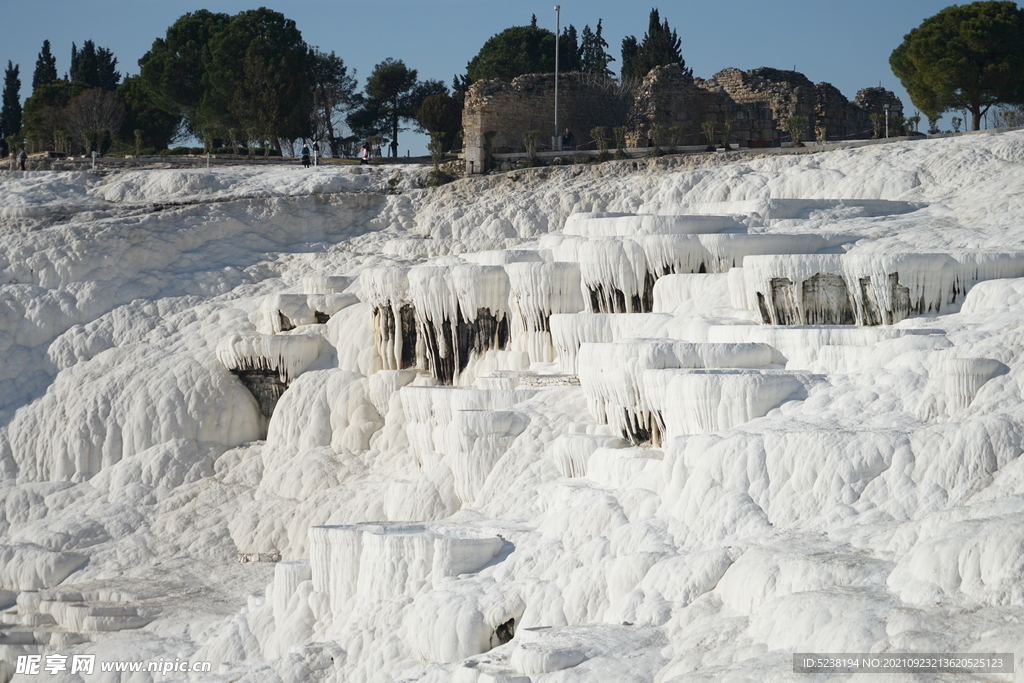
<point x="491" y="442"/>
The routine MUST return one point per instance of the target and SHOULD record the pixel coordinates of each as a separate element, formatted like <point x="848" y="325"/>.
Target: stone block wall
<point x="757" y="102"/>
<point x="528" y="103"/>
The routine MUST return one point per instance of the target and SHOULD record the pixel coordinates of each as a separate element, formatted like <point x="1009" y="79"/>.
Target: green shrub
<point x="709" y="128"/>
<point x="675" y="134"/>
<point x="877" y="124"/>
<point x="795" y="125"/>
<point x="727" y="127"/>
<point x="620" y="133"/>
<point x="530" y="139"/>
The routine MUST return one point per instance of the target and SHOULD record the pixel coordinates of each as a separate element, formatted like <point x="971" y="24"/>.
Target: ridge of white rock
<point x="610" y="224"/>
<point x="429" y="410"/>
<point x="570" y="331"/>
<point x="326" y="284"/>
<point x="473" y="442"/>
<point x="953" y="384"/>
<point x="571" y="452"/>
<point x="461" y="313"/>
<point x="615" y="276"/>
<point x="672" y="291"/>
<point x="705" y="401"/>
<point x="284" y="312"/>
<point x="370" y="563"/>
<point x="394" y="317"/>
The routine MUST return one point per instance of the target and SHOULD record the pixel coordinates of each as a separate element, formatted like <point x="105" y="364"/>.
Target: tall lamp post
<point x="558" y="31"/>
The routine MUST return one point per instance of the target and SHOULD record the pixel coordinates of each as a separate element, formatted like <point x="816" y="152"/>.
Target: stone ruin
<point x="758" y="101"/>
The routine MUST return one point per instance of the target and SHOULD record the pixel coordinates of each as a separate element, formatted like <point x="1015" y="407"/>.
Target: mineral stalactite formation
<point x="394" y="318"/>
<point x="266" y="364"/>
<point x="264" y="384"/>
<point x="867" y="289"/>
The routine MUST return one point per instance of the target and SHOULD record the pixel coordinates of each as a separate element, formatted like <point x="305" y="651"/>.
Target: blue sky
<point x="846" y="45"/>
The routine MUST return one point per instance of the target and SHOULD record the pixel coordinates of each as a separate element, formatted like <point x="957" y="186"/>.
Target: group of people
<point x="364" y="155"/>
<point x="20" y="158"/>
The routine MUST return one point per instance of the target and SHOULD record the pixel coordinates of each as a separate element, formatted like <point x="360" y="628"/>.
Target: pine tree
<point x="46" y="67"/>
<point x="965" y="58"/>
<point x="10" y="113"/>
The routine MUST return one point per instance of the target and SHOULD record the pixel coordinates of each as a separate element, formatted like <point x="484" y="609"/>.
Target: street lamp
<point x="558" y="30"/>
<point x="886" y="108"/>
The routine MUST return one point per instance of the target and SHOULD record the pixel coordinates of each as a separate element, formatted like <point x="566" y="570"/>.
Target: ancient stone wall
<point x="528" y="103"/>
<point x="755" y="104"/>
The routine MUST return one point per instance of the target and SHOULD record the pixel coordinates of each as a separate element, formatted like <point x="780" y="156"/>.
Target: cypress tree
<point x="85" y="64"/>
<point x="569" y="46"/>
<point x="94" y="66"/>
<point x="10" y="113"/>
<point x="594" y="57"/>
<point x="46" y="67"/>
<point x="630" y="53"/>
<point x="660" y="46"/>
<point x="106" y="65"/>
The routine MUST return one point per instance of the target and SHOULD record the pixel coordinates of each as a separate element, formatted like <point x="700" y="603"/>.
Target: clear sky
<point x="847" y="45"/>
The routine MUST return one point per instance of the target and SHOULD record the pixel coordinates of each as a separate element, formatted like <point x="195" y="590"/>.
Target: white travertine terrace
<point x="612" y="376"/>
<point x="821" y="453"/>
<point x="283" y="312"/>
<point x="867" y="289"/>
<point x="538" y="291"/>
<point x="705" y="401"/>
<point x="612" y="224"/>
<point x="383" y="561"/>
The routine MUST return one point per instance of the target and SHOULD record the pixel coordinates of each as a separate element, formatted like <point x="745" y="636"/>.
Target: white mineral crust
<point x="650" y="421"/>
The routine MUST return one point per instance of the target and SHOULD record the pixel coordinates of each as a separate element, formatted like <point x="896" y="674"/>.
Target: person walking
<point x="305" y="155"/>
<point x="568" y="139"/>
<point x="316" y="153"/>
<point x="364" y="155"/>
<point x="22" y="157"/>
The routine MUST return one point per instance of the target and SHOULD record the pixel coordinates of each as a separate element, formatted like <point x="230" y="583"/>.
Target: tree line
<point x="529" y="49"/>
<point x="234" y="82"/>
<point x="250" y="80"/>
